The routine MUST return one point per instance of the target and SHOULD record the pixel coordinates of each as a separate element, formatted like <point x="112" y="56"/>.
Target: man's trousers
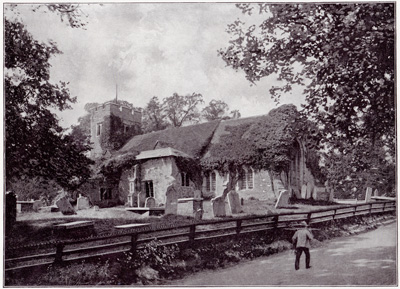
<point x="299" y="251"/>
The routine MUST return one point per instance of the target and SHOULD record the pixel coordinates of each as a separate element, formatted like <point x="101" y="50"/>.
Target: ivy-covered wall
<point x="118" y="124"/>
<point x="115" y="133"/>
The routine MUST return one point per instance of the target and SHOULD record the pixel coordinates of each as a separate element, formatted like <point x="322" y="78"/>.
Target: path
<point x="365" y="259"/>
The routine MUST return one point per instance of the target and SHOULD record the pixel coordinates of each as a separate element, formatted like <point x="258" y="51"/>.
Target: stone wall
<point x="163" y="172"/>
<point x="262" y="187"/>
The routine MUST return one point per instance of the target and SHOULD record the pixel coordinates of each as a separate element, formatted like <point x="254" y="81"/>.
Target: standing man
<point x="301" y="241"/>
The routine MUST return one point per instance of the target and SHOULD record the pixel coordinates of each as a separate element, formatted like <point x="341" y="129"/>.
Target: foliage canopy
<point x="344" y="51"/>
<point x="36" y="146"/>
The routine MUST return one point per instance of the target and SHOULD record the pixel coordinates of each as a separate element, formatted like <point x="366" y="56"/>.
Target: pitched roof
<point x="191" y="140"/>
<point x="159" y="153"/>
<point x="221" y="130"/>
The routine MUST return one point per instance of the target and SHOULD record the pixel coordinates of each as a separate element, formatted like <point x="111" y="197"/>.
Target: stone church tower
<point x="111" y="125"/>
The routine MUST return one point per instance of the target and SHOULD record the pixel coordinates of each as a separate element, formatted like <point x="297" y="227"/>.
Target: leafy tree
<point x="349" y="171"/>
<point x="36" y="188"/>
<point x="235" y="114"/>
<point x="181" y="109"/>
<point x="36" y="146"/>
<point x="216" y="109"/>
<point x="345" y="51"/>
<point x="154" y="117"/>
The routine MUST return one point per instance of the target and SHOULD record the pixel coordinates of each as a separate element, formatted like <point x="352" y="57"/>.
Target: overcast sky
<point x="150" y="50"/>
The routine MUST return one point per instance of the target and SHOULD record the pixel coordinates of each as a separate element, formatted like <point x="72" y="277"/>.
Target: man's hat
<point x="304" y="224"/>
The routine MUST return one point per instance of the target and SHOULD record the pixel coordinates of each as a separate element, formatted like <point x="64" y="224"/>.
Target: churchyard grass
<point x="36" y="227"/>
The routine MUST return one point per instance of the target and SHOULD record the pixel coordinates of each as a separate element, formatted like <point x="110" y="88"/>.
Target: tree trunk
<point x="271" y="177"/>
<point x="230" y="185"/>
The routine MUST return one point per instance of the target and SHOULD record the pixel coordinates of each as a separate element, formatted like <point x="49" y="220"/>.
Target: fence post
<point x="370" y="209"/>
<point x="384" y="205"/>
<point x="59" y="253"/>
<point x="134" y="239"/>
<point x="355" y="209"/>
<point x="238" y="226"/>
<point x="309" y="218"/>
<point x="334" y="214"/>
<point x="276" y="221"/>
<point x="192" y="233"/>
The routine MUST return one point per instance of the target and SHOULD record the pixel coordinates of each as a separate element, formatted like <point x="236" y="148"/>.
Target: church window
<point x="149" y="189"/>
<point x="99" y="127"/>
<point x="184" y="180"/>
<point x="211" y="182"/>
<point x="246" y="179"/>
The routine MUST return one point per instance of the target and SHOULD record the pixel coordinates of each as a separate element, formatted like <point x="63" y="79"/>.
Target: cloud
<point x="149" y="49"/>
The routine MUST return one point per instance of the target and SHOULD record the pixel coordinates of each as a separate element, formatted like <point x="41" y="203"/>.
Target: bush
<point x="71" y="275"/>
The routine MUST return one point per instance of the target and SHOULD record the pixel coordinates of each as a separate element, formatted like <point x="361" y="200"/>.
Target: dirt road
<point x="365" y="259"/>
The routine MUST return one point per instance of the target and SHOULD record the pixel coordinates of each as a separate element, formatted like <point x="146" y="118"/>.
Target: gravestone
<point x="234" y="202"/>
<point x="279" y="187"/>
<point x="376" y="193"/>
<point x="218" y="205"/>
<point x="283" y="199"/>
<point x="198" y="215"/>
<point x="11" y="210"/>
<point x="141" y="199"/>
<point x="130" y="200"/>
<point x="303" y="191"/>
<point x="65" y="206"/>
<point x="82" y="203"/>
<point x="96" y="208"/>
<point x="171" y="203"/>
<point x="368" y="194"/>
<point x="150" y="202"/>
<point x="310" y="188"/>
<point x="37" y="205"/>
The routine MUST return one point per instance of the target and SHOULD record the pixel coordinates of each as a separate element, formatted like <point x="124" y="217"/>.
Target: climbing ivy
<point x="114" y="136"/>
<point x="192" y="168"/>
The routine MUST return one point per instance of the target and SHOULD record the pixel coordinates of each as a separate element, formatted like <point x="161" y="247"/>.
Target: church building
<point x="162" y="159"/>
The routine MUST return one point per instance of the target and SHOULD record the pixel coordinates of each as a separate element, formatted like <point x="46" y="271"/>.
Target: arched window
<point x="211" y="182"/>
<point x="184" y="180"/>
<point x="246" y="179"/>
<point x="149" y="189"/>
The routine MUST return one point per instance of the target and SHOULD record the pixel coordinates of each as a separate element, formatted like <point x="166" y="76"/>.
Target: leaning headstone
<point x="376" y="193"/>
<point x="368" y="194"/>
<point x="218" y="205"/>
<point x="65" y="206"/>
<point x="234" y="202"/>
<point x="82" y="203"/>
<point x="130" y="200"/>
<point x="303" y="191"/>
<point x="37" y="205"/>
<point x="141" y="199"/>
<point x="171" y="203"/>
<point x="310" y="188"/>
<point x="11" y="210"/>
<point x="283" y="199"/>
<point x="150" y="202"/>
<point x="198" y="215"/>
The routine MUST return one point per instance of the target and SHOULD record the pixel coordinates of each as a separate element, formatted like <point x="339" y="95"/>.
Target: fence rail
<point x="72" y="250"/>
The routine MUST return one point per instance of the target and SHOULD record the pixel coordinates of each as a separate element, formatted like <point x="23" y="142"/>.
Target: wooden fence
<point x="112" y="244"/>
